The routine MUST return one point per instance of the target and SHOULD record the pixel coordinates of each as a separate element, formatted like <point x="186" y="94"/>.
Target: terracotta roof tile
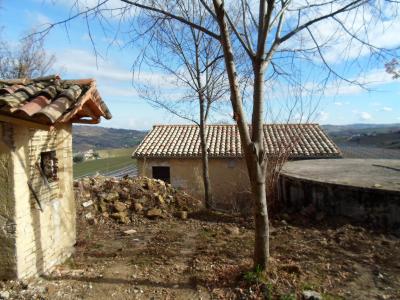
<point x="49" y="100"/>
<point x="304" y="140"/>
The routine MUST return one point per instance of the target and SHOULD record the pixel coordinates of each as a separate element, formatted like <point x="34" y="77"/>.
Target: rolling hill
<point x="97" y="137"/>
<point x="366" y="135"/>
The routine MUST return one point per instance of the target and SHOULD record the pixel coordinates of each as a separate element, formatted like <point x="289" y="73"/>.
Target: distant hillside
<point x="359" y="128"/>
<point x="370" y="135"/>
<point x="366" y="135"/>
<point x="97" y="137"/>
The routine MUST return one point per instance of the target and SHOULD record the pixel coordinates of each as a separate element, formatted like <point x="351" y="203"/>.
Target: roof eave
<point x="90" y="101"/>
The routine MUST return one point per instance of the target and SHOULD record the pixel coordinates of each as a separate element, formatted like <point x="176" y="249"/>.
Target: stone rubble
<point x="130" y="231"/>
<point x="5" y="295"/>
<point x="123" y="200"/>
<point x="18" y="289"/>
<point x="311" y="295"/>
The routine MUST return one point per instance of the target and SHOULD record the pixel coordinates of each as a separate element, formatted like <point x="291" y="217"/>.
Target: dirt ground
<point x="208" y="256"/>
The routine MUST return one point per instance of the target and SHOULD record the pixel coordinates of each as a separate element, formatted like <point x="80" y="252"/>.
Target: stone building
<point x="89" y="154"/>
<point x="37" y="208"/>
<point x="172" y="153"/>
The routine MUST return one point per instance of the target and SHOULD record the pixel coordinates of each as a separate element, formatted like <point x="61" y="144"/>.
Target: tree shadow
<point x="191" y="284"/>
<point x="331" y="222"/>
<point x="222" y="217"/>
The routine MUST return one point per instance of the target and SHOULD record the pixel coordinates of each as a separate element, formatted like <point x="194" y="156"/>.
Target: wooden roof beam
<point x="21" y="122"/>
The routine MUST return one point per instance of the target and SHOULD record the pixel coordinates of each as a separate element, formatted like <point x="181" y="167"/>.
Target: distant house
<point x="172" y="153"/>
<point x="37" y="207"/>
<point x="90" y="154"/>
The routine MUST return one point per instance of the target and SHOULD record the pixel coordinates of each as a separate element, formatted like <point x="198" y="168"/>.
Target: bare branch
<point x="239" y="37"/>
<point x="172" y="16"/>
<point x="352" y="5"/>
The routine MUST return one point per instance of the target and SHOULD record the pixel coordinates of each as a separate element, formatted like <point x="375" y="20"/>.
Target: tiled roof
<point x="305" y="140"/>
<point x="49" y="100"/>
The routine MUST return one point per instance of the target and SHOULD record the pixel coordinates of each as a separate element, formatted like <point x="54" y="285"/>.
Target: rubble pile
<point x="124" y="199"/>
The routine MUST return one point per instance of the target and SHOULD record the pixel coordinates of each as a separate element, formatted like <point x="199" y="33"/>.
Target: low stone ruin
<point x="123" y="200"/>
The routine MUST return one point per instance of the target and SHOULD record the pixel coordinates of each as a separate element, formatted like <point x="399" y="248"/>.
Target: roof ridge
<point x="26" y="80"/>
<point x="264" y="124"/>
<point x="303" y="140"/>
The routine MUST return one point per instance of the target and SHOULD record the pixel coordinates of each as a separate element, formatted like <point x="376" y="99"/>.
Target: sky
<point x="112" y="69"/>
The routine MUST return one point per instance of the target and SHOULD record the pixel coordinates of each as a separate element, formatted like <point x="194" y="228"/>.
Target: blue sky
<point x="75" y="59"/>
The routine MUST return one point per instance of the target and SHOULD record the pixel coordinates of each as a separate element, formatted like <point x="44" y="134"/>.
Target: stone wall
<point x="229" y="180"/>
<point x="43" y="238"/>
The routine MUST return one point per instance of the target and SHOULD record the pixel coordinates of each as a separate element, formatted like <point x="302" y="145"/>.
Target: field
<point x="367" y="135"/>
<point x="350" y="151"/>
<point x="97" y="137"/>
<point x="103" y="166"/>
<point x="107" y="153"/>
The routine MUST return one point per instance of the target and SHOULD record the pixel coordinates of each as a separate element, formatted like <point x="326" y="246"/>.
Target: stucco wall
<point x="229" y="179"/>
<point x="7" y="208"/>
<point x="43" y="238"/>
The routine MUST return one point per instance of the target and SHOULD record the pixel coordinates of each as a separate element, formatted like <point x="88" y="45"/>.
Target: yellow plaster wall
<point x="7" y="212"/>
<point x="229" y="179"/>
<point x="43" y="238"/>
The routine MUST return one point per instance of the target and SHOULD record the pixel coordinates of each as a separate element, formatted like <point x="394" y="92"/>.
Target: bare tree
<point x="392" y="68"/>
<point x="272" y="34"/>
<point x="195" y="64"/>
<point x="28" y="60"/>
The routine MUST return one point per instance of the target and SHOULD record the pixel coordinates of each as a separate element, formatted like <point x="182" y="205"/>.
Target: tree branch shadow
<point x="191" y="284"/>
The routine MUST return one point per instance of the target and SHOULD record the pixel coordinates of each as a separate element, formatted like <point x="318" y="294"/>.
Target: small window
<point x="49" y="165"/>
<point x="162" y="173"/>
<point x="231" y="163"/>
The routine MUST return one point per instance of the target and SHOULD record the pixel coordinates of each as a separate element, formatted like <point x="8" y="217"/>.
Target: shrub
<point x="78" y="158"/>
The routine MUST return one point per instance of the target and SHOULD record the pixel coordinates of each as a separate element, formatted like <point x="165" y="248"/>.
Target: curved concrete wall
<point x="374" y="206"/>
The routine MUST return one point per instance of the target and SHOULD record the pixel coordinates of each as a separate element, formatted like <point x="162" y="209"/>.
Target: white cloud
<point x="38" y="20"/>
<point x="85" y="4"/>
<point x="338" y="103"/>
<point x="114" y="91"/>
<point x="343" y="89"/>
<point x="387" y="109"/>
<point x="371" y="80"/>
<point x="81" y="64"/>
<point x="365" y="116"/>
<point x="336" y="45"/>
<point x="375" y="104"/>
<point x="111" y="9"/>
<point x="138" y="123"/>
<point x="322" y="116"/>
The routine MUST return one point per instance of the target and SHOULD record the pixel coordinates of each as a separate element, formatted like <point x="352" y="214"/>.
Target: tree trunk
<point x="261" y="244"/>
<point x="252" y="146"/>
<point x="258" y="172"/>
<point x="203" y="142"/>
<point x="204" y="156"/>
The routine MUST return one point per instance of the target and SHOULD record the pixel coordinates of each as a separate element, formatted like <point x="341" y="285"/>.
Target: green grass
<point x="288" y="297"/>
<point x="108" y="153"/>
<point x="255" y="276"/>
<point x="102" y="165"/>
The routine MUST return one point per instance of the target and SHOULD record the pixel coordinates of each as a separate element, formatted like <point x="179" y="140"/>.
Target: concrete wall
<point x="42" y="239"/>
<point x="229" y="180"/>
<point x="380" y="208"/>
